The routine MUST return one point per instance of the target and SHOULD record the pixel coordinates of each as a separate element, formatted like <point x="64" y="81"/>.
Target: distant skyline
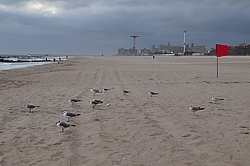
<point x="95" y="27"/>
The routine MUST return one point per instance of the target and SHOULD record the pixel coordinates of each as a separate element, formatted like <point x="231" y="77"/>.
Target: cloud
<point x="96" y="25"/>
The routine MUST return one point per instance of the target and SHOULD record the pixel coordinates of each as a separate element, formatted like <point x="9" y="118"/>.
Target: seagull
<point x="29" y="106"/>
<point x="95" y="90"/>
<point x="125" y="91"/>
<point x="195" y="109"/>
<point x="74" y="100"/>
<point x="216" y="98"/>
<point x="63" y="125"/>
<point x="105" y="89"/>
<point x="69" y="115"/>
<point x="152" y="93"/>
<point x="95" y="102"/>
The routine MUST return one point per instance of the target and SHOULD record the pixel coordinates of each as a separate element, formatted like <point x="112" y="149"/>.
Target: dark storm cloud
<point x="97" y="26"/>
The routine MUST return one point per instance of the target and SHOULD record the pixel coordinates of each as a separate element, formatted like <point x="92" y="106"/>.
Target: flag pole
<point x="221" y="50"/>
<point x="217" y="67"/>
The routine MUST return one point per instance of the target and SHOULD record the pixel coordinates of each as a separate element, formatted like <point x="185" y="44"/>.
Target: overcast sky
<point x="102" y="26"/>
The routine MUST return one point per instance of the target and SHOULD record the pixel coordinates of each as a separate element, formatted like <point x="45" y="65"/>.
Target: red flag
<point x="221" y="50"/>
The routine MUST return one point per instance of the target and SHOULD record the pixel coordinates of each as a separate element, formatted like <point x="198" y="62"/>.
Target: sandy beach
<point x="136" y="129"/>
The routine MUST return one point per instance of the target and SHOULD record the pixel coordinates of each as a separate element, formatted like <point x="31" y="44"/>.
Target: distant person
<point x="153" y="57"/>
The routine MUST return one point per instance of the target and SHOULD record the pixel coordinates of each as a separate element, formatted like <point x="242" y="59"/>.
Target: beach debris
<point x="152" y="93"/>
<point x="95" y="102"/>
<point x="30" y="106"/>
<point x="195" y="109"/>
<point x="108" y="104"/>
<point x="63" y="125"/>
<point x="125" y="91"/>
<point x="94" y="90"/>
<point x="74" y="100"/>
<point x="69" y="115"/>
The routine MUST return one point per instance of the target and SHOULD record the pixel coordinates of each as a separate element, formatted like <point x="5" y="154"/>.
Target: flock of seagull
<point x="195" y="108"/>
<point x="95" y="102"/>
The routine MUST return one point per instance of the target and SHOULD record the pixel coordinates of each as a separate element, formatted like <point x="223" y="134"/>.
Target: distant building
<point x="164" y="49"/>
<point x="197" y="49"/>
<point x="122" y="51"/>
<point x="127" y="52"/>
<point x="145" y="51"/>
<point x="176" y="49"/>
<point x="152" y="49"/>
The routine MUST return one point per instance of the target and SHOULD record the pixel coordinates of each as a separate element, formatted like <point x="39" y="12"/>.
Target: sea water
<point x="9" y="66"/>
<point x="15" y="64"/>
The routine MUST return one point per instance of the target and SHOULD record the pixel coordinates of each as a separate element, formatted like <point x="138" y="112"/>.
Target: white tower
<point x="184" y="43"/>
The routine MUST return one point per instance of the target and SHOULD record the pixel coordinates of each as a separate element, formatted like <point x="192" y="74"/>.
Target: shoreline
<point x="9" y="64"/>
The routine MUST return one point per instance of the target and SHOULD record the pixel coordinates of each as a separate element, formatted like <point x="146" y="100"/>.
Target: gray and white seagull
<point x="30" y="106"/>
<point x="94" y="102"/>
<point x="69" y="115"/>
<point x="215" y="99"/>
<point x="63" y="125"/>
<point x="195" y="109"/>
<point x="125" y="91"/>
<point x="152" y="93"/>
<point x="94" y="90"/>
<point x="74" y="100"/>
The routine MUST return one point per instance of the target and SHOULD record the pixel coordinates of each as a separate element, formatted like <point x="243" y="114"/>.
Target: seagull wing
<point x="64" y="125"/>
<point x="70" y="114"/>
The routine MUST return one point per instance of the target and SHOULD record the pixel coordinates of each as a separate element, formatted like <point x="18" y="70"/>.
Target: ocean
<point x="9" y="66"/>
<point x="23" y="61"/>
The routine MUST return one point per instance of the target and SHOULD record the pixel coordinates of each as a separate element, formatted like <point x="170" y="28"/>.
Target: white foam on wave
<point x="9" y="66"/>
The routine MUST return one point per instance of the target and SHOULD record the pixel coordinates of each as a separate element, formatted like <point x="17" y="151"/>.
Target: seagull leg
<point x="68" y="120"/>
<point x="93" y="106"/>
<point x="62" y="130"/>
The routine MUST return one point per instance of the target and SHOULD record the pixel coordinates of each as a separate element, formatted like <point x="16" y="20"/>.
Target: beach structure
<point x="134" y="44"/>
<point x="184" y="43"/>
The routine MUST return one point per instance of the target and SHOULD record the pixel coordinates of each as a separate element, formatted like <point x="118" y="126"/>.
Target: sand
<point x="135" y="129"/>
